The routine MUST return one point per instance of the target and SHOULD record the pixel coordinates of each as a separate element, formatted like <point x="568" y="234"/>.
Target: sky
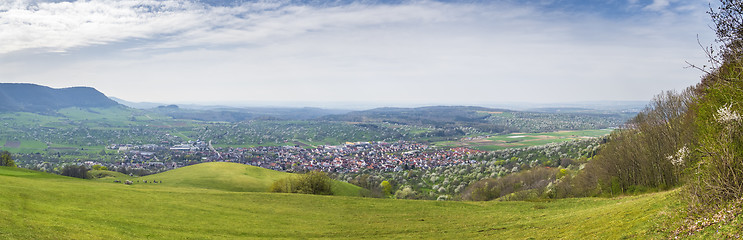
<point x="383" y="53"/>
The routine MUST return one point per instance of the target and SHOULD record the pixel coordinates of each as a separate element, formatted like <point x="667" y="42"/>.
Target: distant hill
<point x="232" y="177"/>
<point x="438" y="116"/>
<point x="435" y="115"/>
<point x="564" y="110"/>
<point x="24" y="97"/>
<point x="229" y="114"/>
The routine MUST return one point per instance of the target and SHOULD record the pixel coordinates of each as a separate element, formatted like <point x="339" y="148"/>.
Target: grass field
<point x="36" y="205"/>
<point x="223" y="176"/>
<point x="519" y="140"/>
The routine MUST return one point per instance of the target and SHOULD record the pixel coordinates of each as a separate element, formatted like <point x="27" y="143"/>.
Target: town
<point x="347" y="158"/>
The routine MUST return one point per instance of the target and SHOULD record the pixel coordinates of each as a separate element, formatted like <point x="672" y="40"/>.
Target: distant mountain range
<point x="27" y="97"/>
<point x="23" y="97"/>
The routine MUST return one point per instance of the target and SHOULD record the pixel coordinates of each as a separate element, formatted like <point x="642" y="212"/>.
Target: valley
<point x="142" y="142"/>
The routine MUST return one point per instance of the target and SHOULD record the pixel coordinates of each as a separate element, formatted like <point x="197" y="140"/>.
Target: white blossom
<point x="678" y="158"/>
<point x="726" y="114"/>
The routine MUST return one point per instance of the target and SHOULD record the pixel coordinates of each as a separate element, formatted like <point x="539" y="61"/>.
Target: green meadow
<point x="35" y="205"/>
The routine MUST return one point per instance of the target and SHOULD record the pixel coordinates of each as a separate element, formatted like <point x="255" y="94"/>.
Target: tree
<point x="386" y="187"/>
<point x="6" y="159"/>
<point x="76" y="171"/>
<point x="728" y="20"/>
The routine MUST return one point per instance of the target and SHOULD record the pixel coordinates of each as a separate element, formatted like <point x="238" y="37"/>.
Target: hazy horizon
<point x="342" y="105"/>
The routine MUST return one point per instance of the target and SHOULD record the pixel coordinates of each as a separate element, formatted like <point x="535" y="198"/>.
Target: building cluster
<point x="349" y="157"/>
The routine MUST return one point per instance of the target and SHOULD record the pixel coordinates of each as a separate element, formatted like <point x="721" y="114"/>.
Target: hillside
<point x="229" y="177"/>
<point x="36" y="205"/>
<point x="35" y="98"/>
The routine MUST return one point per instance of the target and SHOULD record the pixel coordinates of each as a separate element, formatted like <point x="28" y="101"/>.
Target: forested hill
<point x="35" y="98"/>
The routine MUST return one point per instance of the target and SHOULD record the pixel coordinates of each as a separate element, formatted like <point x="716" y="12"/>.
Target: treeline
<point x="649" y="152"/>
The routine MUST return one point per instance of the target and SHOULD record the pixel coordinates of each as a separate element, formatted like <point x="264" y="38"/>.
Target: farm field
<point x="23" y="146"/>
<point x="520" y="140"/>
<point x="36" y="205"/>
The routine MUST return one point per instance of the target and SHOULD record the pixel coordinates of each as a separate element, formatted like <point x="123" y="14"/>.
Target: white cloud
<point x="65" y="25"/>
<point x="658" y="5"/>
<point x="419" y="51"/>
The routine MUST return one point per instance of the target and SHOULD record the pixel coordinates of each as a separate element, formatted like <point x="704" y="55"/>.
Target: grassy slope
<point x="229" y="177"/>
<point x="40" y="206"/>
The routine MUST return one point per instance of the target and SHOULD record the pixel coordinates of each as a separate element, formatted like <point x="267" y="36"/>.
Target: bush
<point x="314" y="182"/>
<point x="6" y="159"/>
<point x="407" y="193"/>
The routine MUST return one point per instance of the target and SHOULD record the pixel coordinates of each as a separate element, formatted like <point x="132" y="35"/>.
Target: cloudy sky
<point x="393" y="52"/>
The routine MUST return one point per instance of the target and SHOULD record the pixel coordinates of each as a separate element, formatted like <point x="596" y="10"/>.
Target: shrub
<point x="314" y="182"/>
<point x="406" y="193"/>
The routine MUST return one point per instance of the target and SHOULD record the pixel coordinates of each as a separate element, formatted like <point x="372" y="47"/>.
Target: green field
<point x="26" y="146"/>
<point x="519" y="140"/>
<point x="225" y="176"/>
<point x="36" y="205"/>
